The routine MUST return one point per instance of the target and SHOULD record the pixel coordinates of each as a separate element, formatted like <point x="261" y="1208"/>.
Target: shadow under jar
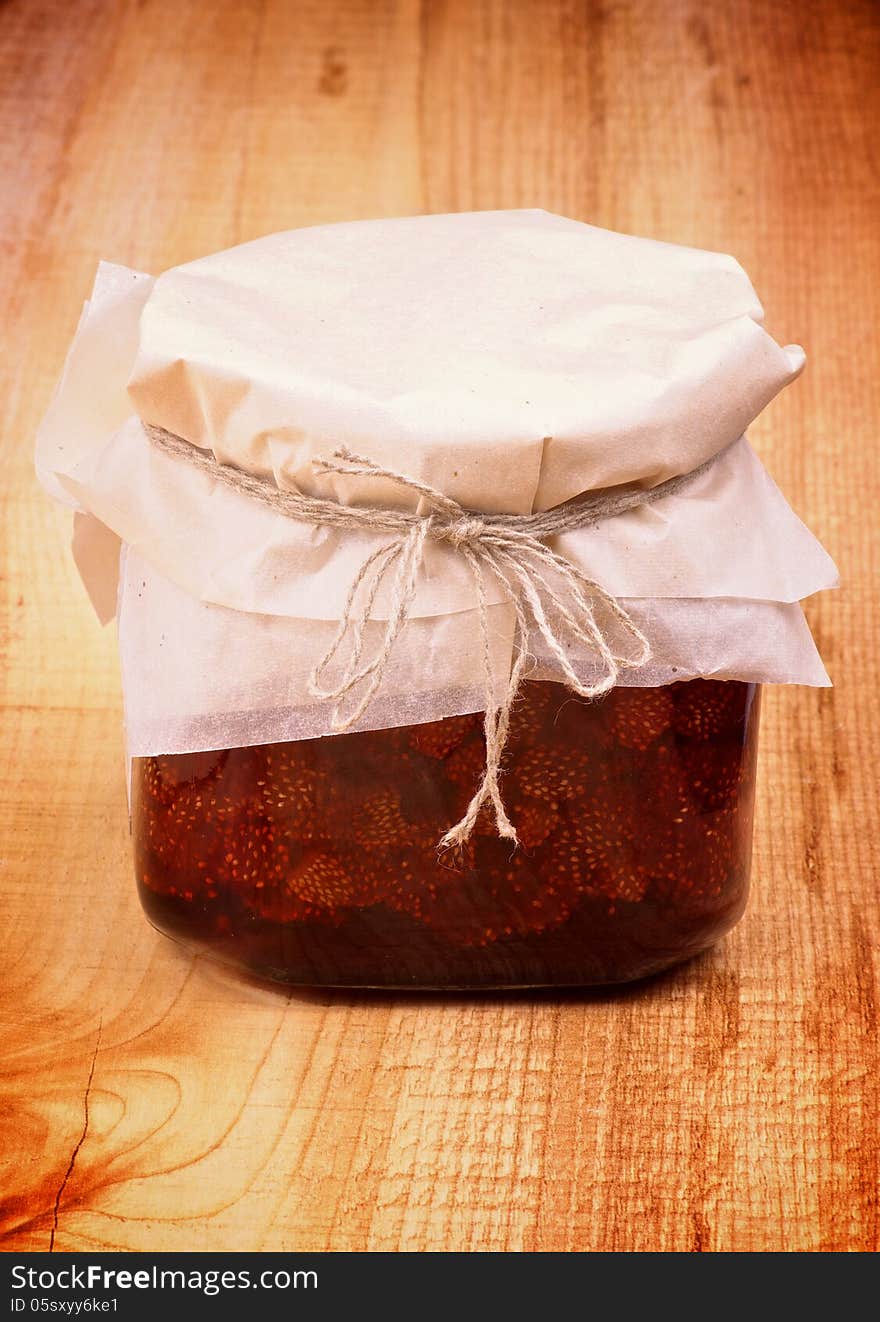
<point x="316" y="862"/>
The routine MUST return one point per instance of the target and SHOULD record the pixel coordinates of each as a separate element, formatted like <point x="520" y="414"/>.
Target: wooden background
<point x="153" y="1101"/>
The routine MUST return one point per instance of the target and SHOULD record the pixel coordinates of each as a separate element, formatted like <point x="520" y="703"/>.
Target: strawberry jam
<point x="316" y="862"/>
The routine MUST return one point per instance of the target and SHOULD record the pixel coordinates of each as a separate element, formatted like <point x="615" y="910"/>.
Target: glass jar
<point x="316" y="862"/>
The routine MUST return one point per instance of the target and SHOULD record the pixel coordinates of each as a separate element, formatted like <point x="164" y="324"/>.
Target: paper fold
<point x="512" y="359"/>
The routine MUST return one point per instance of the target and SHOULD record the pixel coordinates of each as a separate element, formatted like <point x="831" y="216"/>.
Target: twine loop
<point x="460" y="532"/>
<point x="571" y="612"/>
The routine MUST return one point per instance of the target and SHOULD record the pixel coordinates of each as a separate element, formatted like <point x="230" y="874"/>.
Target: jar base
<point x="311" y="958"/>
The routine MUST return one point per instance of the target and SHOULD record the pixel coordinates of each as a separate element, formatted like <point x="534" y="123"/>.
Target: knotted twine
<point x="511" y="547"/>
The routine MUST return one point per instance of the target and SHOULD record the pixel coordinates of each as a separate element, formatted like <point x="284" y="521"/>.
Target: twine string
<point x="549" y="594"/>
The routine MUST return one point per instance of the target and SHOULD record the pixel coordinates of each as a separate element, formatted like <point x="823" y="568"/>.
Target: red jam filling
<point x="316" y="862"/>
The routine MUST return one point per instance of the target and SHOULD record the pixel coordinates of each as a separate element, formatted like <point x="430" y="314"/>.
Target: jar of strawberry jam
<point x="316" y="862"/>
<point x="340" y="481"/>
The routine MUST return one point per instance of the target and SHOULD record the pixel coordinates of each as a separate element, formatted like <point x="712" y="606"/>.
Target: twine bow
<point x="491" y="545"/>
<point x="547" y="592"/>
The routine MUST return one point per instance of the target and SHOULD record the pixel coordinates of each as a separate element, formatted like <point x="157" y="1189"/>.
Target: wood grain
<point x="153" y="1101"/>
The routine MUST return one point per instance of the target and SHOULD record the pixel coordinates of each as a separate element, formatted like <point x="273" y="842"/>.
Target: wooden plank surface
<point x="152" y="1100"/>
